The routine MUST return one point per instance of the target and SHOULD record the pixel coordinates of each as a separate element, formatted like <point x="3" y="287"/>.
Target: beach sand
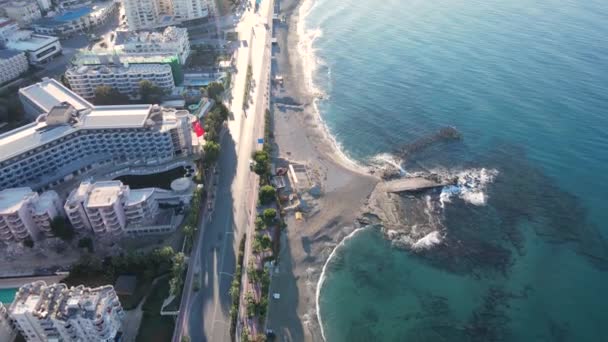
<point x="306" y="245"/>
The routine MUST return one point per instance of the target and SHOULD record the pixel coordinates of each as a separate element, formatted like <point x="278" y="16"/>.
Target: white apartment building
<point x="13" y="63"/>
<point x="142" y="14"/>
<point x="22" y="11"/>
<point x="24" y="213"/>
<point x="73" y="136"/>
<point x="85" y="79"/>
<point x="108" y="207"/>
<point x="7" y="28"/>
<point x="7" y="331"/>
<point x="171" y="41"/>
<point x="39" y="48"/>
<point x="44" y="313"/>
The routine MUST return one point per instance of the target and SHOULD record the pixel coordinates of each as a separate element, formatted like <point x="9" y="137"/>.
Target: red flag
<point x="198" y="129"/>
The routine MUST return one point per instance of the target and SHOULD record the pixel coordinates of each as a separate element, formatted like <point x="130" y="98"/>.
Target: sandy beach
<point x="300" y="136"/>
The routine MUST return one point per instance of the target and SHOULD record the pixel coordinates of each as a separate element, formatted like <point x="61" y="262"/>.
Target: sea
<point x="517" y="250"/>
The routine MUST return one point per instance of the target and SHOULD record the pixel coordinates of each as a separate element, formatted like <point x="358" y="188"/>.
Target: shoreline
<point x="301" y="135"/>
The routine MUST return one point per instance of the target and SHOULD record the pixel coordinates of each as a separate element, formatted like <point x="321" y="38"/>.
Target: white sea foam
<point x="470" y="186"/>
<point x="322" y="277"/>
<point x="428" y="241"/>
<point x="310" y="64"/>
<point x="390" y="159"/>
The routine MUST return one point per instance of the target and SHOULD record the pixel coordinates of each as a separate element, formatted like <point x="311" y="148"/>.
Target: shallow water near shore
<point x="526" y="83"/>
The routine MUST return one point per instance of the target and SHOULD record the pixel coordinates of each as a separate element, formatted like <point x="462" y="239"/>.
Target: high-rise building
<point x="55" y="312"/>
<point x="24" y="213"/>
<point x="142" y="14"/>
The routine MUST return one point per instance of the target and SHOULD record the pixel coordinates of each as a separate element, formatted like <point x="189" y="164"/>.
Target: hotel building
<point x="72" y="136"/>
<point x="24" y="213"/>
<point x="85" y="79"/>
<point x="55" y="312"/>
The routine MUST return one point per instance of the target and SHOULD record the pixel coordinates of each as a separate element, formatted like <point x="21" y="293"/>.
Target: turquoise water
<point x="7" y="295"/>
<point x="526" y="83"/>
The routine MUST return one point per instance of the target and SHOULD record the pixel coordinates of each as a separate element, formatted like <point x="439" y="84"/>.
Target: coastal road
<point x="205" y="314"/>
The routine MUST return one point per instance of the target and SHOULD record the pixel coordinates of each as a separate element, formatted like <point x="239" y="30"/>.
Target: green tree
<point x="269" y="215"/>
<point x="259" y="223"/>
<point x="215" y="90"/>
<point x="251" y="304"/>
<point x="106" y="95"/>
<point x="150" y="92"/>
<point x="86" y="242"/>
<point x="262" y="162"/>
<point x="261" y="242"/>
<point x="188" y="230"/>
<point x="62" y="229"/>
<point x="267" y="194"/>
<point x="212" y="151"/>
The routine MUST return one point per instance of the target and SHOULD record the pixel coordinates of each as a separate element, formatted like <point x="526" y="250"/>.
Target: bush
<point x="267" y="194"/>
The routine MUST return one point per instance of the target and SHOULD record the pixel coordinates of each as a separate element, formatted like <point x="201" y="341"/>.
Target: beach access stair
<point x="414" y="184"/>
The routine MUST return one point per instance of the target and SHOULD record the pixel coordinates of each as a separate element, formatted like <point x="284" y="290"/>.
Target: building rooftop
<point x="170" y="34"/>
<point x="123" y="116"/>
<point x="11" y="200"/>
<point x="60" y="302"/>
<point x="28" y="41"/>
<point x="139" y="195"/>
<point x="45" y="202"/>
<point x="104" y="194"/>
<point x="105" y="58"/>
<point x="118" y="69"/>
<point x="50" y="93"/>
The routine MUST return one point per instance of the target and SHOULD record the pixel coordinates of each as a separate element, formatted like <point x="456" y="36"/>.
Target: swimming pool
<point x="7" y="295"/>
<point x="74" y="14"/>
